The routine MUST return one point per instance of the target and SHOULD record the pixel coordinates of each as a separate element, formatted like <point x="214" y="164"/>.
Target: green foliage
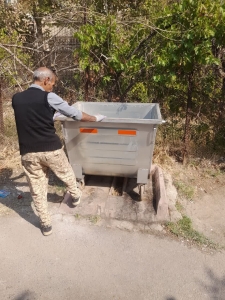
<point x="139" y="93"/>
<point x="189" y="30"/>
<point x="147" y="53"/>
<point x="94" y="219"/>
<point x="141" y="51"/>
<point x="185" y="190"/>
<point x="40" y="6"/>
<point x="183" y="228"/>
<point x="9" y="70"/>
<point x="192" y="26"/>
<point x="105" y="49"/>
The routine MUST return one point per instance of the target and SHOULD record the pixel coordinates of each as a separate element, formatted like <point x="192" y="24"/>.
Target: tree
<point x="186" y="49"/>
<point x="115" y="48"/>
<point x="171" y="52"/>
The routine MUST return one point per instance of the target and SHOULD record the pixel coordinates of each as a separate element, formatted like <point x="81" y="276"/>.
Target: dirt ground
<point x="200" y="186"/>
<point x="201" y="194"/>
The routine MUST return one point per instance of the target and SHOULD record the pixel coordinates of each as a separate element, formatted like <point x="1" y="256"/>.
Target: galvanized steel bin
<point x="121" y="145"/>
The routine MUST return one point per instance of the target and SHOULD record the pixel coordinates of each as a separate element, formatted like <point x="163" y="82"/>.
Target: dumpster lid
<point x="141" y="113"/>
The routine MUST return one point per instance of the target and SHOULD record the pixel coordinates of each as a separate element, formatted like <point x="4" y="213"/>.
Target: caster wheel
<point x="81" y="183"/>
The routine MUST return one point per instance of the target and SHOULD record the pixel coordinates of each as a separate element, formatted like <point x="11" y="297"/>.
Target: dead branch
<point x="16" y="58"/>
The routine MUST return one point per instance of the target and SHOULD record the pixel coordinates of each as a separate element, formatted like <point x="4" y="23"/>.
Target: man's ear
<point x="46" y="80"/>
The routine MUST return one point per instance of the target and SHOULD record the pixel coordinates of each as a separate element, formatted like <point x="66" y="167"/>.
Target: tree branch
<point x="16" y="58"/>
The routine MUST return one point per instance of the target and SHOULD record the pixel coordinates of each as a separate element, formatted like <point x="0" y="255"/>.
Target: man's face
<point x="49" y="84"/>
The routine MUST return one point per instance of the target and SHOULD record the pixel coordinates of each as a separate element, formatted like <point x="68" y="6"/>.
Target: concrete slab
<point x="100" y="199"/>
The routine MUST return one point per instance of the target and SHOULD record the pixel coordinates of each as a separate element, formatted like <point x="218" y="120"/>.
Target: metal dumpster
<point x="121" y="145"/>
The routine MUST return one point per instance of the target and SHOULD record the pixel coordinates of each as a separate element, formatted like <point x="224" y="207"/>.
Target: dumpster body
<point x="121" y="145"/>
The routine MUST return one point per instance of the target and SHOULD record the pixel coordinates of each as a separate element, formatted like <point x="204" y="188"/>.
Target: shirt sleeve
<point x="63" y="107"/>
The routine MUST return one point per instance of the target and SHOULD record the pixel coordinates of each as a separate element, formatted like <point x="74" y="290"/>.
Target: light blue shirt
<point x="60" y="105"/>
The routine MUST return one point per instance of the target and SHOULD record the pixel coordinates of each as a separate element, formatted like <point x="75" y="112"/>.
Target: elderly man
<point x="40" y="147"/>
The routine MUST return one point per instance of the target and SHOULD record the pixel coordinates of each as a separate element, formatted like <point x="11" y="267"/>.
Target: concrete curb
<point x="161" y="203"/>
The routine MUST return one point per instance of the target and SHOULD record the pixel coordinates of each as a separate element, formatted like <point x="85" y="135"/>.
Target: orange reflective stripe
<point x="127" y="132"/>
<point x="88" y="130"/>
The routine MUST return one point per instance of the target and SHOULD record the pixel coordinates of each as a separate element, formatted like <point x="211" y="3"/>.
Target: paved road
<point x="81" y="261"/>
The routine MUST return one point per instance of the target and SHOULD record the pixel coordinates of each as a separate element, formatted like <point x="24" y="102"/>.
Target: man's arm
<point x="88" y="118"/>
<point x="70" y="111"/>
<point x="63" y="107"/>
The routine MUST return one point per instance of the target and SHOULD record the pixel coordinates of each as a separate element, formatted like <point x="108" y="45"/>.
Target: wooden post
<point x="1" y="111"/>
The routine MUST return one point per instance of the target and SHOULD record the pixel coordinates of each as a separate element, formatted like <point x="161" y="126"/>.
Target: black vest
<point x="34" y="122"/>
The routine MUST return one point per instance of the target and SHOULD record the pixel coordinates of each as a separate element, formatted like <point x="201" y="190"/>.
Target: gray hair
<point x="41" y="73"/>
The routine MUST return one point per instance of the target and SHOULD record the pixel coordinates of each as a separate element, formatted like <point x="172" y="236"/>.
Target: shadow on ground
<point x="26" y="295"/>
<point x="19" y="199"/>
<point x="215" y="287"/>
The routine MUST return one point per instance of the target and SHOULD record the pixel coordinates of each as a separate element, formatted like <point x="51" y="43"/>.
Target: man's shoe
<point x="76" y="201"/>
<point x="46" y="230"/>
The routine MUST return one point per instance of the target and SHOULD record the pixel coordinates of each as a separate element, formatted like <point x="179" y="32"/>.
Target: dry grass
<point x="9" y="153"/>
<point x="161" y="156"/>
<point x="9" y="148"/>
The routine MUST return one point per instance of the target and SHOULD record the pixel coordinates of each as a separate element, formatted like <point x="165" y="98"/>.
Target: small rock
<point x="156" y="227"/>
<point x="126" y="225"/>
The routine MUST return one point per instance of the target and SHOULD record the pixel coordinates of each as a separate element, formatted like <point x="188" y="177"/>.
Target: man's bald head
<point x="45" y="78"/>
<point x="41" y="73"/>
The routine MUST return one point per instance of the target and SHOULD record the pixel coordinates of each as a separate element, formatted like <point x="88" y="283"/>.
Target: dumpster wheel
<point x="81" y="183"/>
<point x="141" y="191"/>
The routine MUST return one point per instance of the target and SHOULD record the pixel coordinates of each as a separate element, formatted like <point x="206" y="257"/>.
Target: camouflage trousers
<point x="36" y="167"/>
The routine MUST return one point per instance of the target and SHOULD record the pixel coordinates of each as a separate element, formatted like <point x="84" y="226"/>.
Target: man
<point x="40" y="147"/>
